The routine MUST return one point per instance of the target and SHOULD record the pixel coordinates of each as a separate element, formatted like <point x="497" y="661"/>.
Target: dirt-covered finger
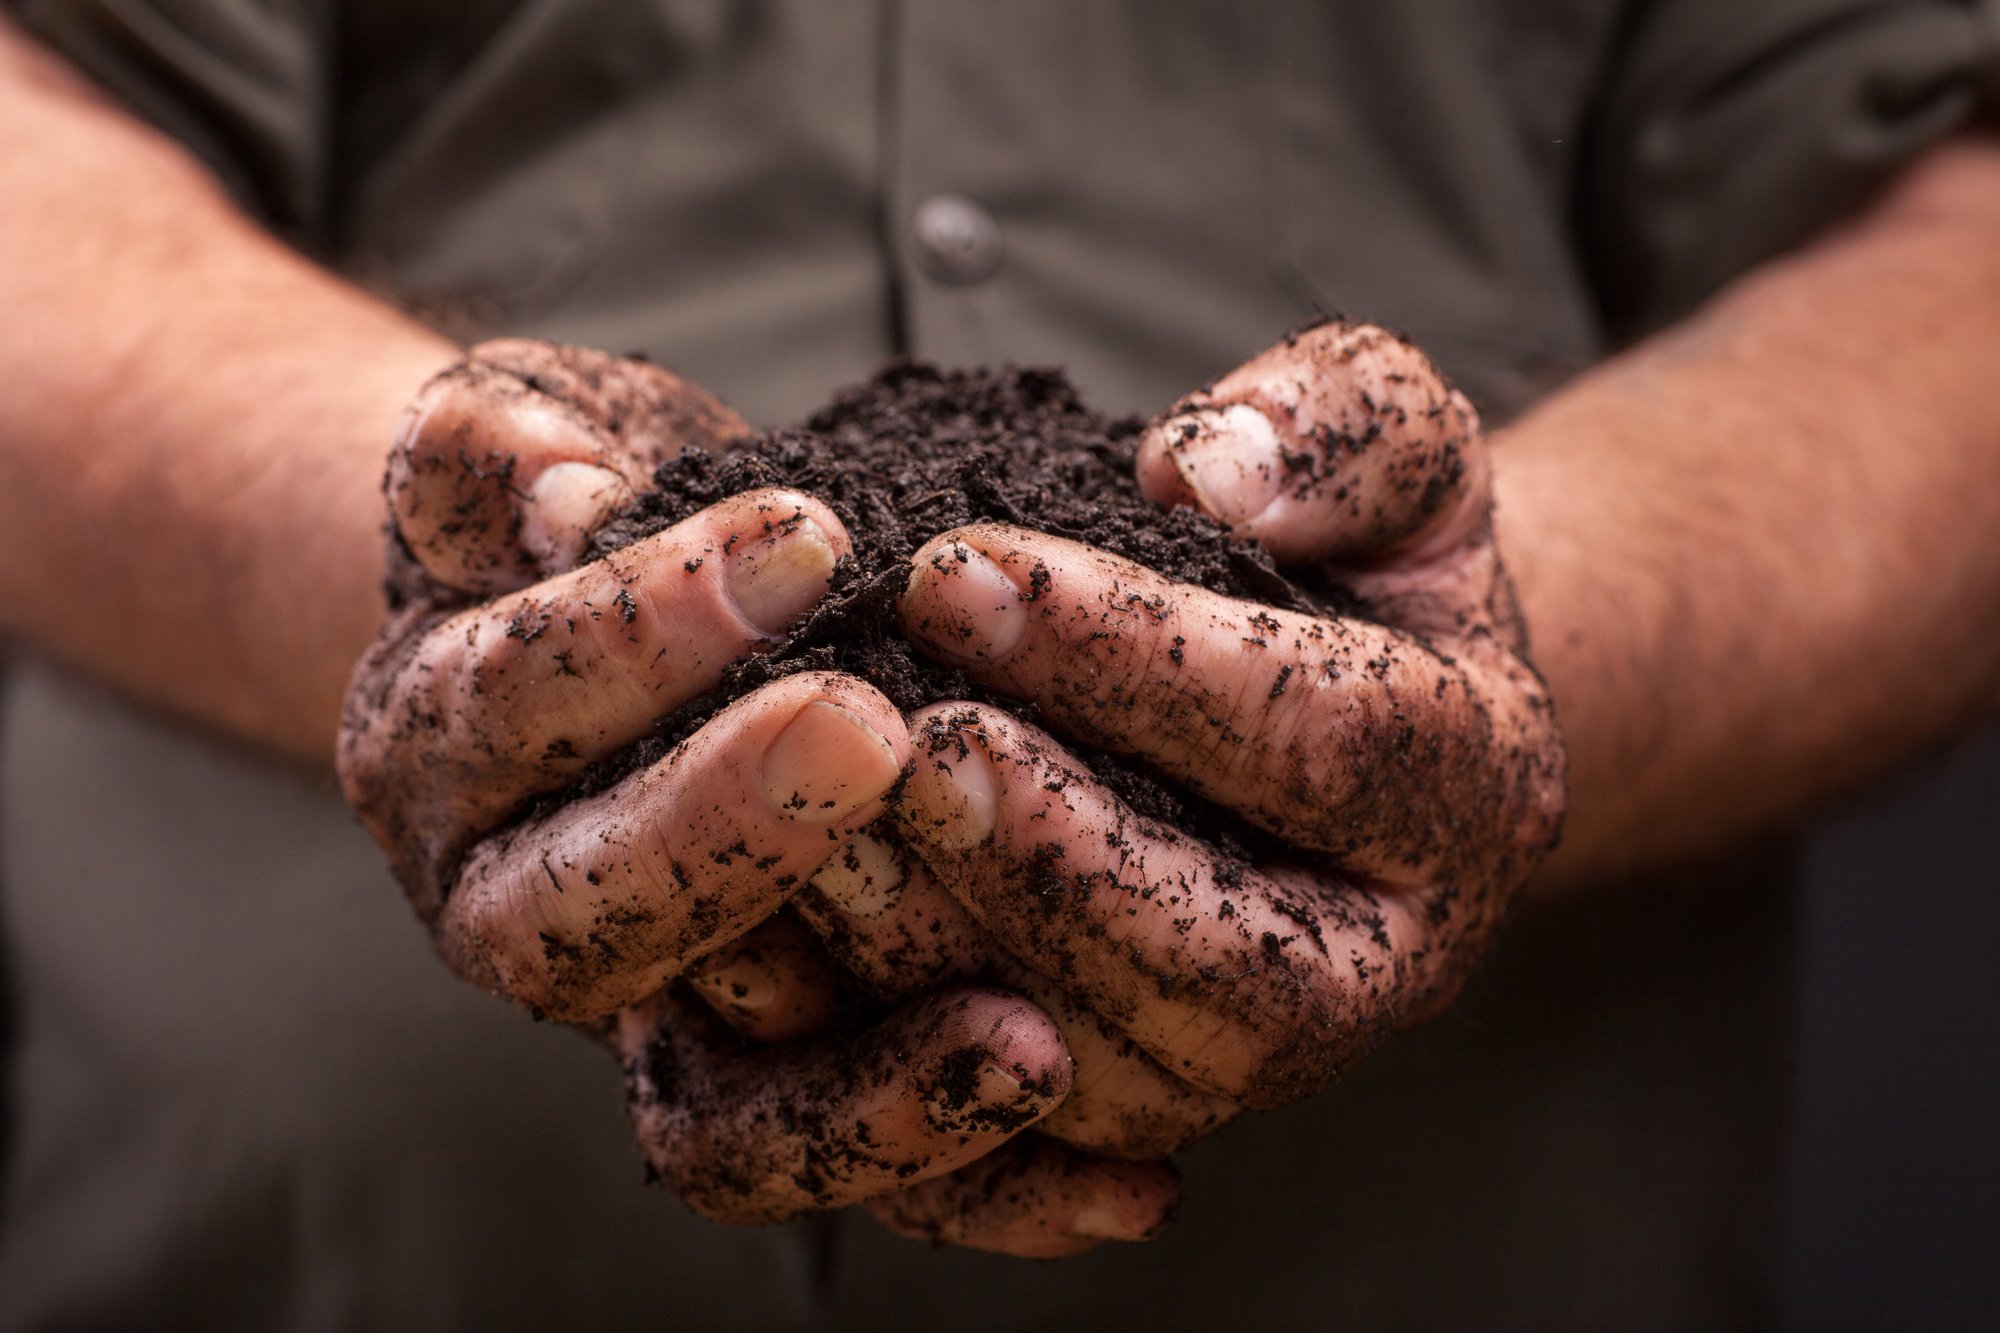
<point x="1341" y="735"/>
<point x="603" y="900"/>
<point x="506" y="461"/>
<point x="1036" y="1199"/>
<point x="1250" y="987"/>
<point x="1342" y="443"/>
<point x="651" y="412"/>
<point x="1121" y="1102"/>
<point x="515" y="697"/>
<point x="750" y="1134"/>
<point x="774" y="983"/>
<point x="885" y="918"/>
<point x="888" y="921"/>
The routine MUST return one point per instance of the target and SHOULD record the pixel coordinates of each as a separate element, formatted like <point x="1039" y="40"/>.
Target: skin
<point x="1197" y="986"/>
<point x="1823" y="430"/>
<point x="1647" y="511"/>
<point x="482" y="694"/>
<point x="131" y="275"/>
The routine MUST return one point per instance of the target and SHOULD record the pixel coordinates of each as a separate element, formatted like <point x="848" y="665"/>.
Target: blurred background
<point x="1893" y="1206"/>
<point x="1893" y="1203"/>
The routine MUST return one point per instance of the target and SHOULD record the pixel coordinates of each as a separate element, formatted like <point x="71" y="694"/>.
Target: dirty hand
<point x="1406" y="753"/>
<point x="1403" y="751"/>
<point x="505" y="672"/>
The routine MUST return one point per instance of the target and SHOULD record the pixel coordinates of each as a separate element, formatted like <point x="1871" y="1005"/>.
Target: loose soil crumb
<point x="918" y="451"/>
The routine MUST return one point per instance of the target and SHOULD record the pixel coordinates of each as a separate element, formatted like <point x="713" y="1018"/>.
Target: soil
<point x="918" y="451"/>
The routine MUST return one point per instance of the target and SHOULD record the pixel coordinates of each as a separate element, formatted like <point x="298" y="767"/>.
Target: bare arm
<point x="1760" y="554"/>
<point x="1759" y="558"/>
<point x="191" y="455"/>
<point x="192" y="434"/>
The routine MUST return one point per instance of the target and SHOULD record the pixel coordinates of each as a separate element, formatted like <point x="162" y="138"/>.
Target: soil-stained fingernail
<point x="826" y="764"/>
<point x="1001" y="1086"/>
<point x="1229" y="457"/>
<point x="565" y="503"/>
<point x="953" y="800"/>
<point x="983" y="1094"/>
<point x="775" y="580"/>
<point x="974" y="611"/>
<point x="863" y="879"/>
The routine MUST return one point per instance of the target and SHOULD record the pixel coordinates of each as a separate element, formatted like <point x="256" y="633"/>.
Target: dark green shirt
<point x="243" y="1092"/>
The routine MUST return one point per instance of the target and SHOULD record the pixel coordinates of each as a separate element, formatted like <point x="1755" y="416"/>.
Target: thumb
<point x="1341" y="443"/>
<point x="507" y="461"/>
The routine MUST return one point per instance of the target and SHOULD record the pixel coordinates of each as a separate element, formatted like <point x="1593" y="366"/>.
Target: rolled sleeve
<point x="1727" y="134"/>
<point x="242" y="84"/>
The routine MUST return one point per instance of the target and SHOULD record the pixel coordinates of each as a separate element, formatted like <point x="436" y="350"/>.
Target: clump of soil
<point x="918" y="451"/>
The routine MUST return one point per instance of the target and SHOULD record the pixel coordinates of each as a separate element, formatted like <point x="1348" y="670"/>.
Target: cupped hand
<point x="1403" y="751"/>
<point x="1404" y="755"/>
<point x="466" y="710"/>
<point x="505" y="674"/>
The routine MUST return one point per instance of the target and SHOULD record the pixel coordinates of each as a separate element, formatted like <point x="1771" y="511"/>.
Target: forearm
<point x="1760" y="555"/>
<point x="192" y="436"/>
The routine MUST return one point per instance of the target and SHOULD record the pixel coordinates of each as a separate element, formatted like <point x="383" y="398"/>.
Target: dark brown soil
<point x="918" y="451"/>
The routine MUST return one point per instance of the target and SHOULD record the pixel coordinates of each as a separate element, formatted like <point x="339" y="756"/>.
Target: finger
<point x="1122" y="1103"/>
<point x="1341" y="735"/>
<point x="760" y="1134"/>
<point x="1035" y="1199"/>
<point x="882" y="915"/>
<point x="890" y="923"/>
<point x="1248" y="986"/>
<point x="1342" y="443"/>
<point x="773" y="984"/>
<point x="507" y="461"/>
<point x="518" y="696"/>
<point x="600" y="902"/>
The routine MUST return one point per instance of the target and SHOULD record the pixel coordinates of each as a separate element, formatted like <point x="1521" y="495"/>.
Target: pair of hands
<point x="1052" y="959"/>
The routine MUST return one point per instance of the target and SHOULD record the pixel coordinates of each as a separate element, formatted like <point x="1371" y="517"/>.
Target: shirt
<point x="242" y="1091"/>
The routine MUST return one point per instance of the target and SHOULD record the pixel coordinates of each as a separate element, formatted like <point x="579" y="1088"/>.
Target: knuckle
<point x="1369" y="350"/>
<point x="481" y="937"/>
<point x="1297" y="1058"/>
<point x="1141" y="1129"/>
<point x="1289" y="1023"/>
<point x="1226" y="717"/>
<point x="466" y="682"/>
<point x="516" y="354"/>
<point x="434" y="416"/>
<point x="497" y="932"/>
<point x="446" y="449"/>
<point x="719" y="1180"/>
<point x="1131" y="646"/>
<point x="1299" y="778"/>
<point x="1394" y="359"/>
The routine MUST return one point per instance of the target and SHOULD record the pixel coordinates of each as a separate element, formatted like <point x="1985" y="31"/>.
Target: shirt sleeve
<point x="1724" y="135"/>
<point x="241" y="83"/>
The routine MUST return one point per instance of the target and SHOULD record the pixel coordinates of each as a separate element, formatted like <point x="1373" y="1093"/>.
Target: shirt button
<point x="957" y="241"/>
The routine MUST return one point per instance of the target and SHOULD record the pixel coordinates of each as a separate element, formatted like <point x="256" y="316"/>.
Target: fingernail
<point x="826" y="764"/>
<point x="960" y="797"/>
<point x="987" y="1096"/>
<point x="1230" y="458"/>
<point x="743" y="989"/>
<point x="777" y="579"/>
<point x="864" y="879"/>
<point x="565" y="504"/>
<point x="1000" y="1086"/>
<point x="1100" y="1223"/>
<point x="980" y="614"/>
